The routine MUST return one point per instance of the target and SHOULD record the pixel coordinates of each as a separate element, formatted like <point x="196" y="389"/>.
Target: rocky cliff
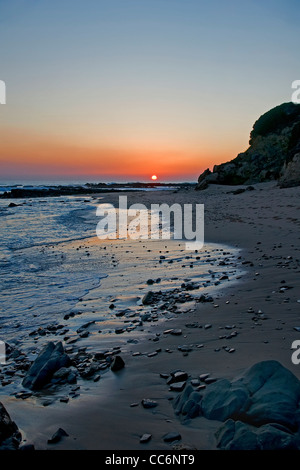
<point x="273" y="154"/>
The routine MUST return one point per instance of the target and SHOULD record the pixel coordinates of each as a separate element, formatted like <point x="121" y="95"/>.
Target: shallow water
<point x="51" y="265"/>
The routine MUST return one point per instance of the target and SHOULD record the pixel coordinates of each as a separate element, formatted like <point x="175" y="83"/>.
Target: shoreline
<point x="267" y="235"/>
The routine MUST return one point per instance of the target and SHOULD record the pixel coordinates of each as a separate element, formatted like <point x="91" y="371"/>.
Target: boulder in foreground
<point x="235" y="435"/>
<point x="267" y="392"/>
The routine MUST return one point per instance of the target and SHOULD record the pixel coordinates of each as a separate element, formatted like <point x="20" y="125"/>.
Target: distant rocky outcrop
<point x="290" y="173"/>
<point x="274" y="153"/>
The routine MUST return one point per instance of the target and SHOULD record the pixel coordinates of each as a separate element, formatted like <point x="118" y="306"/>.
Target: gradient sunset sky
<point x="124" y="89"/>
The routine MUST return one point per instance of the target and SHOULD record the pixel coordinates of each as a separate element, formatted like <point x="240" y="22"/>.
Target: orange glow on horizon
<point x="26" y="154"/>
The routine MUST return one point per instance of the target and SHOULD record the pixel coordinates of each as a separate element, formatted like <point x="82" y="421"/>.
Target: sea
<point x="47" y="268"/>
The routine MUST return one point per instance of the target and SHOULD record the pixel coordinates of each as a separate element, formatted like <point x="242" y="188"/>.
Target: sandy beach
<point x="149" y="220"/>
<point x="264" y="225"/>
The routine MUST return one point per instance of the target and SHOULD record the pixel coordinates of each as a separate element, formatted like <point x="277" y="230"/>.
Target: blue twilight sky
<point x="127" y="88"/>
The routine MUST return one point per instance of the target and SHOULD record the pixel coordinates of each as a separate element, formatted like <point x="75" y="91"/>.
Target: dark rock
<point x="210" y="380"/>
<point x="83" y="327"/>
<point x="27" y="447"/>
<point x="117" y="364"/>
<point x="10" y="437"/>
<point x="177" y="376"/>
<point x="84" y="334"/>
<point x="222" y="401"/>
<point x="89" y="371"/>
<point x="266" y="393"/>
<point x="172" y="436"/>
<point x="188" y="402"/>
<point x="164" y="376"/>
<point x="184" y="348"/>
<point x="290" y="173"/>
<point x="72" y="377"/>
<point x="47" y="402"/>
<point x="166" y="332"/>
<point x="64" y="399"/>
<point x="23" y="395"/>
<point x="119" y="331"/>
<point x="101" y="354"/>
<point x="273" y="153"/>
<point x="57" y="436"/>
<point x="236" y="435"/>
<point x="191" y="408"/>
<point x="51" y="359"/>
<point x="177" y="386"/>
<point x="152" y="354"/>
<point x="61" y="373"/>
<point x="275" y="393"/>
<point x="176" y="332"/>
<point x="195" y="382"/>
<point x="237" y="191"/>
<point x="146" y="317"/>
<point x="202" y="377"/>
<point x="121" y="313"/>
<point x="148" y="298"/>
<point x="12" y="443"/>
<point x="147" y="403"/>
<point x="203" y="298"/>
<point x="145" y="438"/>
<point x="202" y="180"/>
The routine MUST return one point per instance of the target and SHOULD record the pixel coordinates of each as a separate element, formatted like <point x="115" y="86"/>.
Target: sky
<point x="119" y="90"/>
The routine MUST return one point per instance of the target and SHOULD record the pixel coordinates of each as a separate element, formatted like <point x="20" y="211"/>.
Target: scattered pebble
<point x="64" y="399"/>
<point x="176" y="332"/>
<point x="177" y="386"/>
<point x="210" y="380"/>
<point x="57" y="436"/>
<point x="147" y="403"/>
<point x="117" y="364"/>
<point x="145" y="438"/>
<point x="202" y="377"/>
<point x="172" y="436"/>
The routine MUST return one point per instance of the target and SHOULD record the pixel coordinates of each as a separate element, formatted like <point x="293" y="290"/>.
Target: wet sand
<point x="264" y="224"/>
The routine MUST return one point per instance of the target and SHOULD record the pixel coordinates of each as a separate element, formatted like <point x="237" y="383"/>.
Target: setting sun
<point x="154" y="177"/>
